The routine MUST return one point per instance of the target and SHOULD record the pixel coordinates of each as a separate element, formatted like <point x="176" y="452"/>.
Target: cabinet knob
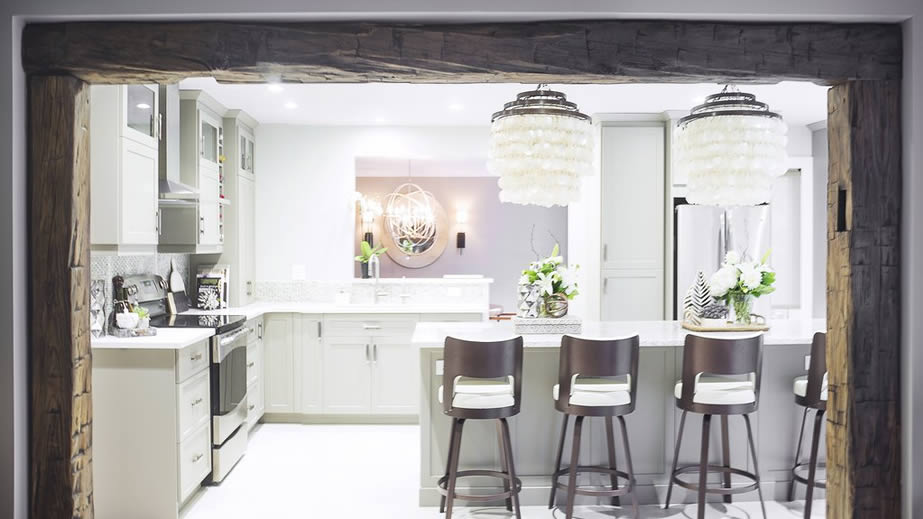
<point x="251" y="407"/>
<point x="197" y="401"/>
<point x="251" y="364"/>
<point x="197" y="457"/>
<point x="197" y="356"/>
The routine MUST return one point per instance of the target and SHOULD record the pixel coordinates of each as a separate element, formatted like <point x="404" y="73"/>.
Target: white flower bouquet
<point x="552" y="275"/>
<point x="738" y="282"/>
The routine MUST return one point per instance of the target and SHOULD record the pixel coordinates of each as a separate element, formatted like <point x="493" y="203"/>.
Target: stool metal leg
<point x="458" y="425"/>
<point x="756" y="467"/>
<point x="679" y="440"/>
<point x="703" y="465"/>
<point x="574" y="462"/>
<point x="631" y="470"/>
<point x="448" y="462"/>
<point x="726" y="455"/>
<point x="504" y="466"/>
<point x="791" y="488"/>
<point x="812" y="468"/>
<point x="557" y="463"/>
<point x="508" y="450"/>
<point x="610" y="441"/>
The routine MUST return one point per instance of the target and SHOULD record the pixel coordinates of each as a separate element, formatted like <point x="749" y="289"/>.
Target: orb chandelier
<point x="730" y="149"/>
<point x="540" y="146"/>
<point x="410" y="217"/>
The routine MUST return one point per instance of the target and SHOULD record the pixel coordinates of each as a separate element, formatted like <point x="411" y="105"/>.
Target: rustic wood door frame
<point x="861" y="61"/>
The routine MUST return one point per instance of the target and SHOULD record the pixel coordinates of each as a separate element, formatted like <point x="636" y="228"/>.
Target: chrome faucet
<point x="375" y="272"/>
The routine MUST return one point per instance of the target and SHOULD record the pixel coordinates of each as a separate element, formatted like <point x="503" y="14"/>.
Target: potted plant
<point x="739" y="282"/>
<point x="366" y="253"/>
<point x="547" y="285"/>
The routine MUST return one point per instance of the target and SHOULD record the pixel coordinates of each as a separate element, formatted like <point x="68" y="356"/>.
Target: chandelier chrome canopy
<point x="540" y="146"/>
<point x="730" y="148"/>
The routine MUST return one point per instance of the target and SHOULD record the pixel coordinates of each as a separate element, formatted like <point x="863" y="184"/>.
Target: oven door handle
<point x="223" y="346"/>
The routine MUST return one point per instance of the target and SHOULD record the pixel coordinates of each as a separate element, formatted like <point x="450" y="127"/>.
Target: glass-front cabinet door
<point x="141" y="119"/>
<point x="209" y="136"/>
<point x="246" y="150"/>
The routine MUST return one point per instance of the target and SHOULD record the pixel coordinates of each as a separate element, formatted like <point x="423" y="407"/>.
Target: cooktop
<point x="221" y="323"/>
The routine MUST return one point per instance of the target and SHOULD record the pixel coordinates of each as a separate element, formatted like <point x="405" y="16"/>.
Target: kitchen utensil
<point x="176" y="279"/>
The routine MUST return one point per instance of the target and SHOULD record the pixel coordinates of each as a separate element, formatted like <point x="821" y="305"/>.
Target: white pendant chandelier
<point x="540" y="146"/>
<point x="730" y="149"/>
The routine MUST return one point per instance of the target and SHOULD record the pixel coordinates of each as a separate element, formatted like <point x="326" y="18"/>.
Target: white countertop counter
<point x="166" y="339"/>
<point x="653" y="333"/>
<point x="258" y="309"/>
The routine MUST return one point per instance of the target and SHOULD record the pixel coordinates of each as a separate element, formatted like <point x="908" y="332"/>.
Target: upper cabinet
<point x="198" y="227"/>
<point x="245" y="149"/>
<point x="124" y="146"/>
<point x="238" y="185"/>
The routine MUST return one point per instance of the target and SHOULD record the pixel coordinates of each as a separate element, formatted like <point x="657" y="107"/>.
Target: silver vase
<point x="530" y="300"/>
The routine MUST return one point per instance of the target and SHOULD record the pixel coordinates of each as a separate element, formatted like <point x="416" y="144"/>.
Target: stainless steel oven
<point x="228" y="400"/>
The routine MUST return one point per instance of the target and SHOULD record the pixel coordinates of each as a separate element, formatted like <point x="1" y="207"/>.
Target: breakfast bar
<point x="652" y="427"/>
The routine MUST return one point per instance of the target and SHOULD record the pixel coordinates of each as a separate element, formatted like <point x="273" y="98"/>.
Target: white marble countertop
<point x="166" y="339"/>
<point x="260" y="308"/>
<point x="432" y="335"/>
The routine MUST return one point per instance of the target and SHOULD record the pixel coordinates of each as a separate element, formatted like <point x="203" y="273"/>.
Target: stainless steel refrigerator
<point x="702" y="236"/>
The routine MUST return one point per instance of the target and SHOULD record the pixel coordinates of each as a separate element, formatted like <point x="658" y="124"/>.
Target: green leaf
<point x="555" y="250"/>
<point x="365" y="248"/>
<point x="765" y="257"/>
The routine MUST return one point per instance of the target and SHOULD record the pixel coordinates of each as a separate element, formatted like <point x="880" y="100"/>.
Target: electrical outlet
<point x="807" y="362"/>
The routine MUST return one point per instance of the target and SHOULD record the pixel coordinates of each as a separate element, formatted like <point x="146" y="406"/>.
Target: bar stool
<point x="481" y="381"/>
<point x="811" y="393"/>
<point x="586" y="387"/>
<point x="708" y="387"/>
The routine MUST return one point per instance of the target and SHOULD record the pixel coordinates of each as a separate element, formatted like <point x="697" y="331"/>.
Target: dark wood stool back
<point x="477" y="359"/>
<point x="718" y="356"/>
<point x="817" y="369"/>
<point x="597" y="358"/>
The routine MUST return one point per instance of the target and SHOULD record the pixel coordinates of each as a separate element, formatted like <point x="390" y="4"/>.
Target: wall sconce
<point x="369" y="210"/>
<point x="461" y="220"/>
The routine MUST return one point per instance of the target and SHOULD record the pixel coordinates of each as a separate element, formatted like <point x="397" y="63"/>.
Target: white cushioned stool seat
<point x="801" y="387"/>
<point x="474" y="393"/>
<point x="596" y="392"/>
<point x="719" y="391"/>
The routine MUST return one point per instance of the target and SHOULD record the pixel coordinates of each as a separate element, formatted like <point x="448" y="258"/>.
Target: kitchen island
<point x="652" y="427"/>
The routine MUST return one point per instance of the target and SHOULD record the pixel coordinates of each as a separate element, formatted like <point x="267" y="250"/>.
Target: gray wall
<point x="819" y="220"/>
<point x="498" y="235"/>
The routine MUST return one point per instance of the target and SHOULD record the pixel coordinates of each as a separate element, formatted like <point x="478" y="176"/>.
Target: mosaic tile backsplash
<point x="105" y="266"/>
<point x="392" y="291"/>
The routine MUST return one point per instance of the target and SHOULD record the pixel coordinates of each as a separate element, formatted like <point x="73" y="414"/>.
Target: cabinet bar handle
<point x="371" y="326"/>
<point x="259" y="334"/>
<point x="251" y="407"/>
<point x="605" y="252"/>
<point x="197" y="401"/>
<point x="367" y="358"/>
<point x="197" y="457"/>
<point x="319" y="330"/>
<point x="197" y="356"/>
<point x="251" y="364"/>
<point x="375" y="352"/>
<point x="160" y="127"/>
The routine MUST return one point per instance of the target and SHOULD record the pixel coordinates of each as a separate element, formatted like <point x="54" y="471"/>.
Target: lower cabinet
<point x="255" y="380"/>
<point x="394" y="376"/>
<point x="279" y="365"/>
<point x="347" y="376"/>
<point x="151" y="416"/>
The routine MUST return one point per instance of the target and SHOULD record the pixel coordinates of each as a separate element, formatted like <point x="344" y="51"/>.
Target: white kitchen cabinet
<point x="394" y="383"/>
<point x="239" y="230"/>
<point x="256" y="406"/>
<point x="347" y="375"/>
<point x="279" y="366"/>
<point x="632" y="221"/>
<point x="124" y="140"/>
<point x="197" y="226"/>
<point x="151" y="414"/>
<point x="309" y="364"/>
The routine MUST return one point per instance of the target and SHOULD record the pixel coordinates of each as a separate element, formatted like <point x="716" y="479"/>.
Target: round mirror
<point x="415" y="226"/>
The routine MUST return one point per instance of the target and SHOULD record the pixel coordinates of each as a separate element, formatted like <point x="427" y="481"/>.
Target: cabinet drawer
<point x="254" y="363"/>
<point x="195" y="461"/>
<point x="254" y="330"/>
<point x="368" y="325"/>
<point x="254" y="405"/>
<point x="191" y="360"/>
<point x="192" y="404"/>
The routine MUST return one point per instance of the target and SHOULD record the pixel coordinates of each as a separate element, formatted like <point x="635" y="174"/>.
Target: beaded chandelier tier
<point x="730" y="149"/>
<point x="540" y="146"/>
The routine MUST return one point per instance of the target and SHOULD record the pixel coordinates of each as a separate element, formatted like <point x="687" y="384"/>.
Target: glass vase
<point x="742" y="306"/>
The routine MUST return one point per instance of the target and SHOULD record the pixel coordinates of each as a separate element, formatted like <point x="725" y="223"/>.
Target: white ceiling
<point x="405" y="104"/>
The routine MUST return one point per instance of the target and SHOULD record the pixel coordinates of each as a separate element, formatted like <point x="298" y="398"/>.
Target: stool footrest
<point x="443" y="483"/>
<point x="717" y="490"/>
<point x="818" y="483"/>
<point x="584" y="491"/>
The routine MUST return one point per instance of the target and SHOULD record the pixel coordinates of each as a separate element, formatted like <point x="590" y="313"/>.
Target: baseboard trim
<point x="348" y="419"/>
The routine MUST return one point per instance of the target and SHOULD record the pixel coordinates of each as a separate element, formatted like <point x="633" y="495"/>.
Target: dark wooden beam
<point x="560" y="52"/>
<point x="863" y="300"/>
<point x="61" y="482"/>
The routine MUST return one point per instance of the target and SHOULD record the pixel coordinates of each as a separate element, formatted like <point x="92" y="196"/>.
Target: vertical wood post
<point x="863" y="300"/>
<point x="60" y="480"/>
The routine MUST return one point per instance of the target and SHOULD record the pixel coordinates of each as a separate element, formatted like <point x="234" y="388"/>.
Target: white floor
<point x="312" y="471"/>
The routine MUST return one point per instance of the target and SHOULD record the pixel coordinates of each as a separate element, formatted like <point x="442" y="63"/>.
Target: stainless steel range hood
<point x="172" y="191"/>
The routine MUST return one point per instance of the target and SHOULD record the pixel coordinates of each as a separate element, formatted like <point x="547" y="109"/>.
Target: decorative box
<point x="547" y="325"/>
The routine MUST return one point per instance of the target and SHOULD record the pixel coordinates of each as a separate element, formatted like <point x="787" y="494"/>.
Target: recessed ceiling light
<point x="142" y="106"/>
<point x="275" y="88"/>
<point x="456" y="107"/>
<point x="291" y="105"/>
